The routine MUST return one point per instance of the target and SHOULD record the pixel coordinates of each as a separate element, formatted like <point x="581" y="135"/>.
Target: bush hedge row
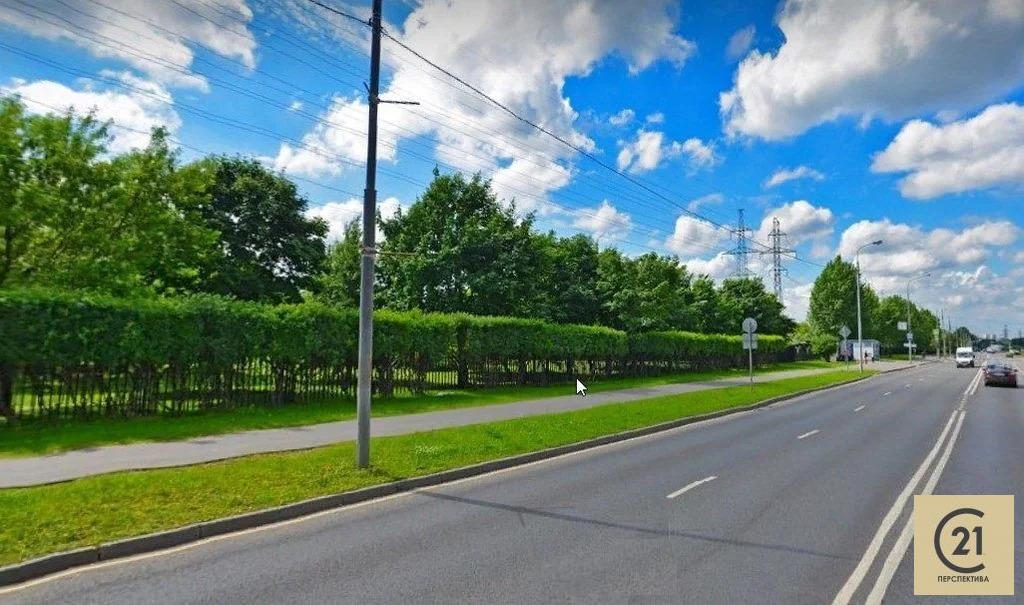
<point x="44" y="327"/>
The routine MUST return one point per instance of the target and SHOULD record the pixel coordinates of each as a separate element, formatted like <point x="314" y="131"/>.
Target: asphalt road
<point x="37" y="470"/>
<point x="777" y="505"/>
<point x="988" y="459"/>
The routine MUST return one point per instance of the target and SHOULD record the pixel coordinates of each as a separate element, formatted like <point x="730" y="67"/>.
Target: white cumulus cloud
<point x="650" y="148"/>
<point x="711" y="199"/>
<point x="980" y="152"/>
<point x="692" y="237"/>
<point x="339" y="139"/>
<point x="622" y="118"/>
<point x="605" y="223"/>
<point x="143" y="107"/>
<point x="800" y="220"/>
<point x="340" y="214"/>
<point x="137" y="33"/>
<point x="875" y="58"/>
<point x="784" y="175"/>
<point x="739" y="42"/>
<point x="909" y="250"/>
<point x="483" y="43"/>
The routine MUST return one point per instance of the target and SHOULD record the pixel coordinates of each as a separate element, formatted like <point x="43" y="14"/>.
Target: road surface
<point x="36" y="470"/>
<point x="778" y="505"/>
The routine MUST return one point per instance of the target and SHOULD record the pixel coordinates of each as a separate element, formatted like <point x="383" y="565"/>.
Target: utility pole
<point x="365" y="376"/>
<point x="910" y="343"/>
<point x="777" y="250"/>
<point x="941" y="336"/>
<point x="860" y="323"/>
<point x="741" y="251"/>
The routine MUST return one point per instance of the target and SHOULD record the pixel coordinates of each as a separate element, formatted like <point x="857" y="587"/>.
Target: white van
<point x="964" y="357"/>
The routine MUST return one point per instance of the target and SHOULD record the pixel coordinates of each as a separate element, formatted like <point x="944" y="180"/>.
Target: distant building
<point x="871" y="346"/>
<point x="853" y="351"/>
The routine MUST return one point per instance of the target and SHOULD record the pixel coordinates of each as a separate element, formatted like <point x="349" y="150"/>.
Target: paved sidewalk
<point x="20" y="472"/>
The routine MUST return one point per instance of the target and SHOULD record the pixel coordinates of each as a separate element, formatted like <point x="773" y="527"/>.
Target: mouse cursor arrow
<point x="581" y="389"/>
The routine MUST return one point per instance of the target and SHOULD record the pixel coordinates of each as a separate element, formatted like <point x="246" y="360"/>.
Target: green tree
<point x="834" y="304"/>
<point x="458" y="248"/>
<point x="741" y="298"/>
<point x="890" y="312"/>
<point x="340" y="281"/>
<point x="924" y="326"/>
<point x="270" y="250"/>
<point x="651" y="292"/>
<point x="567" y="279"/>
<point x="74" y="218"/>
<point x="820" y="343"/>
<point x="963" y="337"/>
<point x="705" y="307"/>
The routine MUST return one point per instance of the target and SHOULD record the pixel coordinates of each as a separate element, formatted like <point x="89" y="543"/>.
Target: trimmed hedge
<point x="693" y="344"/>
<point x="534" y="339"/>
<point x="72" y="353"/>
<point x="39" y="327"/>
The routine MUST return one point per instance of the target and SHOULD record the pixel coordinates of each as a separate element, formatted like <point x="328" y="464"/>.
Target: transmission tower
<point x="778" y="248"/>
<point x="740" y="251"/>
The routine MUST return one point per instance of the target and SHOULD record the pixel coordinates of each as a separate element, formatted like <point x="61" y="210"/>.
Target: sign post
<point x="750" y="343"/>
<point x="845" y="333"/>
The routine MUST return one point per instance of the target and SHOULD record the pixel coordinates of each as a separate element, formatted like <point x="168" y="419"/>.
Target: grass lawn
<point x="33" y="438"/>
<point x="52" y="518"/>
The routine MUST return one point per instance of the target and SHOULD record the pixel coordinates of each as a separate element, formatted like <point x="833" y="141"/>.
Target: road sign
<point x="750" y="343"/>
<point x="844" y="331"/>
<point x="901" y="325"/>
<point x="581" y="389"/>
<point x="910" y="337"/>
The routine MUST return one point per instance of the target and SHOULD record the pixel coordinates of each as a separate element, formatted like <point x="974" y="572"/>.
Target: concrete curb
<point x="916" y="365"/>
<point x="50" y="564"/>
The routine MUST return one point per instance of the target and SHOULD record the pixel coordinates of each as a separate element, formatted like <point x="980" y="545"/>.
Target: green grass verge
<point x="53" y="518"/>
<point x="33" y="438"/>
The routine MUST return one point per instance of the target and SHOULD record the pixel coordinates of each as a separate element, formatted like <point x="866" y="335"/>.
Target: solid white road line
<point x="859" y="408"/>
<point x="853" y="582"/>
<point x="886" y="394"/>
<point x="808" y="434"/>
<point x="973" y="387"/>
<point x="680" y="492"/>
<point x="892" y="562"/>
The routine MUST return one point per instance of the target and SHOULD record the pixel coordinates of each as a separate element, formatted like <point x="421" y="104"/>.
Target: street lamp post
<point x="860" y="335"/>
<point x="910" y="348"/>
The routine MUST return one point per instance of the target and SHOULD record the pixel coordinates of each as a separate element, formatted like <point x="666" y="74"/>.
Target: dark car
<point x="1000" y="374"/>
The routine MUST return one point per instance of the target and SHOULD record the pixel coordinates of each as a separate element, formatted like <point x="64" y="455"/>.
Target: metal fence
<point x="92" y="390"/>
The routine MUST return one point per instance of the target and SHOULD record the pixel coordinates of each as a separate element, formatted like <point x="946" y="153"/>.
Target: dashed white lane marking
<point x="886" y="394"/>
<point x="683" y="490"/>
<point x="859" y="408"/>
<point x="808" y="434"/>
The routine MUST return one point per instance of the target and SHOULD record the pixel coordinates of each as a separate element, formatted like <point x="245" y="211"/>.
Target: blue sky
<point x="847" y="120"/>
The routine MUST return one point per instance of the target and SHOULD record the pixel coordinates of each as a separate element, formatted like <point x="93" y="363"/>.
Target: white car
<point x="965" y="357"/>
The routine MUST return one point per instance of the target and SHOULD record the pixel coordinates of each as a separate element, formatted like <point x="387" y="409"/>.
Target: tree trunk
<point x="7" y="390"/>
